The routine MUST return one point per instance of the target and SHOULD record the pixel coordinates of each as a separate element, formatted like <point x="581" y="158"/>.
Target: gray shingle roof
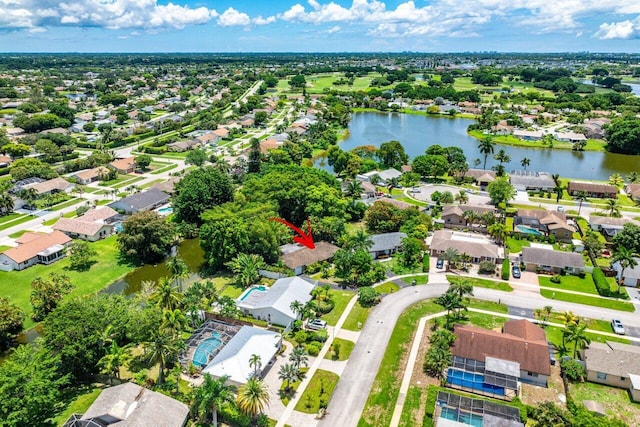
<point x="613" y="358"/>
<point x="143" y="200"/>
<point x="551" y="258"/>
<point x="386" y="241"/>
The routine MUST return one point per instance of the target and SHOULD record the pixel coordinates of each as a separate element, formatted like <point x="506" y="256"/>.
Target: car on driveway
<point x="414" y="190"/>
<point x="316" y="324"/>
<point x="617" y="326"/>
<point x="440" y="264"/>
<point x="515" y="271"/>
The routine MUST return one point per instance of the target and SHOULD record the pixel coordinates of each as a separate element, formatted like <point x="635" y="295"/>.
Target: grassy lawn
<point x="166" y="168"/>
<point x="319" y="390"/>
<point x="411" y="411"/>
<point x="482" y="283"/>
<point x="346" y="347"/>
<point x="21" y="219"/>
<point x="570" y="283"/>
<point x="387" y="288"/>
<point x="65" y="204"/>
<point x="583" y="299"/>
<point x="420" y="280"/>
<point x="616" y="401"/>
<point x="396" y="266"/>
<point x="4" y="248"/>
<point x="17" y="234"/>
<point x="127" y="182"/>
<point x="286" y="397"/>
<point x="516" y="245"/>
<point x="16" y="285"/>
<point x="51" y="221"/>
<point x="488" y="305"/>
<point x="10" y="217"/>
<point x="118" y="179"/>
<point x="78" y="406"/>
<point x="341" y="298"/>
<point x="149" y="184"/>
<point x="386" y="387"/>
<point x="357" y="315"/>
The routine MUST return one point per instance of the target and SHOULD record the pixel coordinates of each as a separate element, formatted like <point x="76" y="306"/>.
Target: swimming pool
<point x="461" y="417"/>
<point x="205" y="349"/>
<point x="528" y="230"/>
<point x="472" y="381"/>
<point x="166" y="210"/>
<point x="117" y="227"/>
<point x="252" y="289"/>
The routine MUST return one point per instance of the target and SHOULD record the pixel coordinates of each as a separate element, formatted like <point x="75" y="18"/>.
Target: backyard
<point x="615" y="401"/>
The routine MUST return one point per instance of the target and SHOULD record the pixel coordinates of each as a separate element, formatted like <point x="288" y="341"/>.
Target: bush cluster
<point x="506" y="273"/>
<point x="601" y="282"/>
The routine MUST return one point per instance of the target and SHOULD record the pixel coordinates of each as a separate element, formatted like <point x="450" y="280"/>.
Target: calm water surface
<point x="417" y="132"/>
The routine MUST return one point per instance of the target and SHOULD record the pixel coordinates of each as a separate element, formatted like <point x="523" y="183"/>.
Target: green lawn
<point x="346" y="347"/>
<point x="357" y="315"/>
<point x="164" y="169"/>
<point x="488" y="305"/>
<point x="482" y="283"/>
<point x="396" y="266"/>
<point x="16" y="285"/>
<point x="17" y="234"/>
<point x="582" y="299"/>
<point x="387" y="288"/>
<point x="11" y="217"/>
<point x="127" y="182"/>
<point x="420" y="280"/>
<point x="413" y="411"/>
<point x="570" y="283"/>
<point x="118" y="179"/>
<point x="149" y="184"/>
<point x="319" y="390"/>
<point x="340" y="298"/>
<point x="4" y="248"/>
<point x="78" y="406"/>
<point x="386" y="387"/>
<point x="21" y="219"/>
<point x="616" y="401"/>
<point x="516" y="245"/>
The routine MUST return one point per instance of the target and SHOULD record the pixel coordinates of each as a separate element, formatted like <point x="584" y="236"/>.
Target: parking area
<point x="426" y="190"/>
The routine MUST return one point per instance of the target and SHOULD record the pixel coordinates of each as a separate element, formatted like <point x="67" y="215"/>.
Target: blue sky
<point x="319" y="25"/>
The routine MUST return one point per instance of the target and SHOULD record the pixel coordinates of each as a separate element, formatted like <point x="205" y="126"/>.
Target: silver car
<point x="316" y="324"/>
<point x="617" y="327"/>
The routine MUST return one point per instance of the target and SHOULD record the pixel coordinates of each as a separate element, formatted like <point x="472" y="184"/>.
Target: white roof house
<point x="274" y="304"/>
<point x="233" y="359"/>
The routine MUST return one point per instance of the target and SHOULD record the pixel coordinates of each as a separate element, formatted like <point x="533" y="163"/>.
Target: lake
<point x="417" y="132"/>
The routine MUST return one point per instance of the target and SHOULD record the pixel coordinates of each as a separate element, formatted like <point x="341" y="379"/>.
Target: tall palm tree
<point x="359" y="240"/>
<point x="581" y="197"/>
<point x="289" y="373"/>
<point x="461" y="287"/>
<point x="178" y="269"/>
<point x="253" y="397"/>
<point x="613" y="208"/>
<point x="450" y="301"/>
<point x="576" y="334"/>
<point x="626" y="258"/>
<point x="451" y="256"/>
<point x="556" y="179"/>
<point x="502" y="157"/>
<point x="471" y="217"/>
<point x="486" y="147"/>
<point x="162" y="349"/>
<point x="115" y="358"/>
<point x="616" y="180"/>
<point x="164" y="294"/>
<point x="558" y="189"/>
<point x="29" y="196"/>
<point x="299" y="357"/>
<point x="354" y="189"/>
<point x="174" y="322"/>
<point x="6" y="203"/>
<point x="525" y="162"/>
<point x="298" y="308"/>
<point x="255" y="362"/>
<point x="247" y="268"/>
<point x="462" y="197"/>
<point x="210" y="396"/>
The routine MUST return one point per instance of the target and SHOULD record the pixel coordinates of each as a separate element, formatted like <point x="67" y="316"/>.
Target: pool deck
<point x="252" y="298"/>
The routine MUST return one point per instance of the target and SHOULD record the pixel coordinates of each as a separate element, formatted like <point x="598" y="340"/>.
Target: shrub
<point x="506" y="274"/>
<point x="486" y="267"/>
<point x="425" y="263"/>
<point x="313" y="348"/>
<point x="325" y="307"/>
<point x="368" y="297"/>
<point x="602" y="285"/>
<point x="300" y="336"/>
<point x="555" y="278"/>
<point x="318" y="336"/>
<point x="573" y="370"/>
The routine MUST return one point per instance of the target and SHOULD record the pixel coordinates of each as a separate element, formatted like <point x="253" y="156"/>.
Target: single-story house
<point x="520" y="353"/>
<point x="481" y="177"/>
<point x="608" y="226"/>
<point x="523" y="180"/>
<point x="180" y="146"/>
<point x="168" y="186"/>
<point x="397" y="203"/>
<point x="221" y="132"/>
<point x="297" y="257"/>
<point x="478" y="247"/>
<point x="385" y="175"/>
<point x="269" y="144"/>
<point x="51" y="186"/>
<point x="233" y="358"/>
<point x="614" y="364"/>
<point x="385" y="244"/>
<point x="528" y="135"/>
<point x="208" y="138"/>
<point x="274" y="303"/>
<point x="76" y="228"/>
<point x="88" y="176"/>
<point x="593" y="189"/>
<point x="454" y="215"/>
<point x="102" y="214"/>
<point x="143" y="201"/>
<point x="5" y="161"/>
<point x="129" y="405"/>
<point x="633" y="191"/>
<point x="569" y="136"/>
<point x="35" y="248"/>
<point x="551" y="223"/>
<point x="124" y="166"/>
<point x="551" y="261"/>
<point x="631" y="275"/>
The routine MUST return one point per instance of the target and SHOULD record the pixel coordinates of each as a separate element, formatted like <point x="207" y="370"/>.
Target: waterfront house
<point x="34" y="248"/>
<point x="593" y="189"/>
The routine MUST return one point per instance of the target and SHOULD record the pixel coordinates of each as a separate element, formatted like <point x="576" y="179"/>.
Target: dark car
<point x="515" y="271"/>
<point x="440" y="263"/>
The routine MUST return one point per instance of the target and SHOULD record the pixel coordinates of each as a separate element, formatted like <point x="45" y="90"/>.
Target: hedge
<point x="506" y="273"/>
<point x="425" y="263"/>
<point x="601" y="282"/>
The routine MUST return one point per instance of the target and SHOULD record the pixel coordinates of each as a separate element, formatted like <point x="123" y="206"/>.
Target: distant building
<point x="593" y="189"/>
<point x="34" y="248"/>
<point x="142" y="201"/>
<point x="124" y="166"/>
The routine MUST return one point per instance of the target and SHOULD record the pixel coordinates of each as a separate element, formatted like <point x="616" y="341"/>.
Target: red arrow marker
<point x="303" y="238"/>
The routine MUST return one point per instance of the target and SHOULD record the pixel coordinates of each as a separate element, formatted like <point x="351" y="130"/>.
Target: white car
<point x="414" y="190"/>
<point x="316" y="324"/>
<point x="617" y="327"/>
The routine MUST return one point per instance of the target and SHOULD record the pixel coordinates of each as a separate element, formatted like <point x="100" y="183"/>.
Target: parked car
<point x="440" y="263"/>
<point x="414" y="190"/>
<point x="316" y="324"/>
<point x="617" y="326"/>
<point x="560" y="208"/>
<point x="515" y="271"/>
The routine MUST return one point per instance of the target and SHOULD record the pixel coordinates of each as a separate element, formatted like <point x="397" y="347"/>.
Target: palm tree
<point x="616" y="180"/>
<point x="625" y="257"/>
<point x="558" y="189"/>
<point x="210" y="396"/>
<point x="162" y="349"/>
<point x="359" y="240"/>
<point x="298" y="357"/>
<point x="568" y="318"/>
<point x="581" y="197"/>
<point x="461" y="287"/>
<point x="525" y="162"/>
<point x="437" y="360"/>
<point x="547" y="311"/>
<point x="375" y="179"/>
<point x="633" y="177"/>
<point x="576" y="334"/>
<point x="253" y="397"/>
<point x="556" y="179"/>
<point x="502" y="157"/>
<point x="392" y="183"/>
<point x="6" y="203"/>
<point x="451" y="256"/>
<point x="488" y="218"/>
<point x="289" y="373"/>
<point x="613" y="207"/>
<point x="450" y="301"/>
<point x="498" y="231"/>
<point x="471" y="217"/>
<point x="354" y="189"/>
<point x="178" y="269"/>
<point x="247" y="268"/>
<point x="255" y="362"/>
<point x="174" y="322"/>
<point x="114" y="359"/>
<point x="462" y="197"/>
<point x="29" y="196"/>
<point x="298" y="308"/>
<point x="164" y="295"/>
<point x="486" y="147"/>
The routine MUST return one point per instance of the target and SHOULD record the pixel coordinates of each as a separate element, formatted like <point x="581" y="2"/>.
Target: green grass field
<point x="482" y="283"/>
<point x="357" y="316"/>
<point x="570" y="283"/>
<point x="319" y="390"/>
<point x="16" y="221"/>
<point x="345" y="346"/>
<point x="587" y="300"/>
<point x="340" y="298"/>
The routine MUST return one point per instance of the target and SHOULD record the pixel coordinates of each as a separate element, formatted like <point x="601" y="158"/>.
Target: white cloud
<point x="619" y="30"/>
<point x="295" y="13"/>
<point x="232" y="17"/>
<point x="259" y="20"/>
<point x="333" y="29"/>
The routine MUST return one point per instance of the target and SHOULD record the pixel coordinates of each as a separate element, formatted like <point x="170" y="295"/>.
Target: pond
<point x="417" y="132"/>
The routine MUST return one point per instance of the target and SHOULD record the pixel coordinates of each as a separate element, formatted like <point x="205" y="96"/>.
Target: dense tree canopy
<point x="201" y="189"/>
<point x="392" y="155"/>
<point x="623" y="136"/>
<point x="11" y="318"/>
<point x="629" y="238"/>
<point x="146" y="237"/>
<point x="31" y="167"/>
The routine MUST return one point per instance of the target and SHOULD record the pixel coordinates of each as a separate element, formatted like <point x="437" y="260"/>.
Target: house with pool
<point x="298" y="257"/>
<point x="273" y="304"/>
<point x="543" y="223"/>
<point x="540" y="259"/>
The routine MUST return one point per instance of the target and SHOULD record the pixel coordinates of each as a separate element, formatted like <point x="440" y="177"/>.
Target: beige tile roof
<point x="77" y="226"/>
<point x="59" y="184"/>
<point x="98" y="214"/>
<point x="124" y="164"/>
<point x="30" y="249"/>
<point x="92" y="173"/>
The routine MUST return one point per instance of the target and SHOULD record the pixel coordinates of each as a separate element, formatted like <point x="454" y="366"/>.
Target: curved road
<point x="348" y="400"/>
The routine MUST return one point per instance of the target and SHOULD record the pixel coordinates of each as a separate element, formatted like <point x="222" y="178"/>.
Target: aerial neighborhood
<point x="319" y="239"/>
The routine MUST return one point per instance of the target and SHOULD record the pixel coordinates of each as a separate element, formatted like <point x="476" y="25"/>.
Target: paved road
<point x="348" y="400"/>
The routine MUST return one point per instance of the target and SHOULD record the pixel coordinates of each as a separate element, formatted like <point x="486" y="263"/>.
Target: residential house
<point x="455" y="216"/>
<point x="180" y="146"/>
<point x="274" y="303"/>
<point x="142" y="201"/>
<point x="551" y="261"/>
<point x="397" y="203"/>
<point x="269" y="144"/>
<point x="124" y="166"/>
<point x="549" y="223"/>
<point x="34" y="248"/>
<point x="481" y="177"/>
<point x="569" y="137"/>
<point x="631" y="276"/>
<point x="102" y="214"/>
<point x="88" y="176"/>
<point x="528" y="135"/>
<point x="385" y="244"/>
<point x="633" y="191"/>
<point x="385" y="176"/>
<point x="368" y="189"/>
<point x="520" y="353"/>
<point x="51" y="186"/>
<point x="593" y="189"/>
<point x="614" y="364"/>
<point x="79" y="228"/>
<point x="233" y="360"/>
<point x="523" y="180"/>
<point x="297" y="257"/>
<point x="609" y="226"/>
<point x="129" y="405"/>
<point x="478" y="247"/>
<point x="208" y="138"/>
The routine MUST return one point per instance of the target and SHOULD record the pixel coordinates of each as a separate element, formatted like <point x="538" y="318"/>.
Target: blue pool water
<point x="252" y="289"/>
<point x="165" y="210"/>
<point x="461" y="417"/>
<point x="472" y="381"/>
<point x="528" y="230"/>
<point x="205" y="348"/>
<point x="118" y="227"/>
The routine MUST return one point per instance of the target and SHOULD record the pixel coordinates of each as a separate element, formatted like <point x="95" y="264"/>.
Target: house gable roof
<point x="280" y="296"/>
<point x="465" y="243"/>
<point x="612" y="358"/>
<point x="77" y="226"/>
<point x="386" y="241"/>
<point x="591" y="187"/>
<point x="143" y="200"/>
<point x="35" y="244"/>
<point x="305" y="256"/>
<point x="551" y="258"/>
